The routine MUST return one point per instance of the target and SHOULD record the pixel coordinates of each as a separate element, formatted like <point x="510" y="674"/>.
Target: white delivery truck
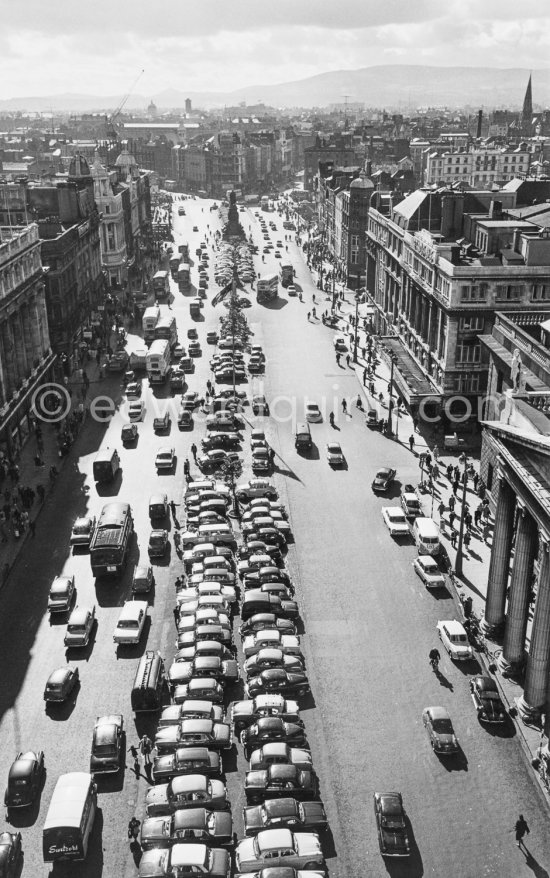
<point x="138" y="359"/>
<point x="158" y="361"/>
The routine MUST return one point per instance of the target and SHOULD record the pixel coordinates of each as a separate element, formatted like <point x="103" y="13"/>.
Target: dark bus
<point x="111" y="540"/>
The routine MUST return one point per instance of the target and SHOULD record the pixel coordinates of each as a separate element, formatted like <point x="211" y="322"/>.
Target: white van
<point x="70" y="818"/>
<point x="426" y="536"/>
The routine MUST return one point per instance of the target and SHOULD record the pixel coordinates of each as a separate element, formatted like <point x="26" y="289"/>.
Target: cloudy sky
<point x="201" y="45"/>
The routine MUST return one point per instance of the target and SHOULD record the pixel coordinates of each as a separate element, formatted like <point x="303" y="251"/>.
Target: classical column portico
<point x="513" y="653"/>
<point x="535" y="692"/>
<point x="497" y="583"/>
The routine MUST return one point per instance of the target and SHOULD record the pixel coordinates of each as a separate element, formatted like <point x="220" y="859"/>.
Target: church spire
<point x="527" y="110"/>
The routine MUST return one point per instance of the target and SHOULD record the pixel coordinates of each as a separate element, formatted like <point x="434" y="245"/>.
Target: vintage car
<point x="82" y="531"/>
<point x="107" y="741"/>
<point x="279" y="754"/>
<point x="245" y="713"/>
<point x="25" y="779"/>
<point x="79" y="627"/>
<point x="279" y="847"/>
<point x="487" y="700"/>
<point x="187" y="760"/>
<point x="439" y="727"/>
<point x="61" y="683"/>
<point x="187" y="791"/>
<point x="267" y="658"/>
<point x="192" y="825"/>
<point x="185" y="859"/>
<point x="280" y="681"/>
<point x="391" y="825"/>
<point x="271" y="730"/>
<point x="193" y="733"/>
<point x="285" y="813"/>
<point x="383" y="479"/>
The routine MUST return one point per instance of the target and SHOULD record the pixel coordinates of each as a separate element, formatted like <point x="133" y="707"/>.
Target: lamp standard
<point x="356" y="327"/>
<point x="458" y="561"/>
<point x="390" y="401"/>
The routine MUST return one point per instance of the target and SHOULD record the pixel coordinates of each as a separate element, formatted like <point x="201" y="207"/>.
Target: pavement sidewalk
<point x="475" y="564"/>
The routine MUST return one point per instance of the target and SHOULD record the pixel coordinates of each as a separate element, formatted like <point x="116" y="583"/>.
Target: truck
<point x="111" y="539"/>
<point x="138" y="359"/>
<point x="158" y="361"/>
<point x="149" y="321"/>
<point x="195" y="308"/>
<point x="161" y="285"/>
<point x="267" y="288"/>
<point x="286" y="274"/>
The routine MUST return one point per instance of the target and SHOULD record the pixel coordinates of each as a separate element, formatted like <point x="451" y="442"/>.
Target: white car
<point x="395" y="521"/>
<point x="131" y="623"/>
<point x="178" y="352"/>
<point x="430" y="574"/>
<point x="279" y="848"/>
<point x="454" y="639"/>
<point x="165" y="458"/>
<point x="313" y="412"/>
<point x="339" y="343"/>
<point x="136" y="409"/>
<point x="335" y="456"/>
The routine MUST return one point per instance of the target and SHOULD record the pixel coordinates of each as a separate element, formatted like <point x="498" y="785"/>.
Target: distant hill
<point x="391" y="86"/>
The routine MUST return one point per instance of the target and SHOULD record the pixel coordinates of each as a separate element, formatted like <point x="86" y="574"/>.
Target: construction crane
<point x="109" y="120"/>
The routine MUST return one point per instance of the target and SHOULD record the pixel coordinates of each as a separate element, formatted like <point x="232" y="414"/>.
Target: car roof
<point x="438" y="712"/>
<point x="274" y="838"/>
<point x="79" y="615"/>
<point x="453" y="626"/>
<point x="56" y="677"/>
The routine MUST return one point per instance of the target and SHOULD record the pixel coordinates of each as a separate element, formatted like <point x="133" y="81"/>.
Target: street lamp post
<point x="390" y="401"/>
<point x="356" y="327"/>
<point x="458" y="561"/>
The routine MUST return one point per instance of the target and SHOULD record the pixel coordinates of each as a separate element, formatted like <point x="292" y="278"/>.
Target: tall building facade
<point x="26" y="358"/>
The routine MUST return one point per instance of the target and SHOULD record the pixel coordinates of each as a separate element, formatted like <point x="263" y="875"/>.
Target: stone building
<point x="440" y="263"/>
<point x="515" y="465"/>
<point x="68" y="227"/>
<point x="26" y="358"/>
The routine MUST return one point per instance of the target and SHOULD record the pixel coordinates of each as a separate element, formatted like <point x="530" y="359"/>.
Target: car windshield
<point x="395" y="517"/>
<point x="75" y="628"/>
<point x="128" y="623"/>
<point x="81" y="528"/>
<point x="442" y="726"/>
<point x="105" y="749"/>
<point x="458" y="638"/>
<point x="393" y="821"/>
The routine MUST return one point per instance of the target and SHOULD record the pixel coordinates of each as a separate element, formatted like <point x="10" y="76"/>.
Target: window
<point x="472" y="323"/>
<point x="509" y="292"/>
<point x="473" y="293"/>
<point x="107" y="208"/>
<point x="468" y="353"/>
<point x="540" y="292"/>
<point x="466" y="383"/>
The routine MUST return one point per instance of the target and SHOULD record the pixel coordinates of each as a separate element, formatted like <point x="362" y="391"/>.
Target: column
<point x="8" y="356"/>
<point x="500" y="558"/>
<point x="535" y="692"/>
<point x="513" y="653"/>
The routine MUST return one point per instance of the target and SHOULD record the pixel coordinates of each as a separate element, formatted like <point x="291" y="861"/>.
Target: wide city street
<point x="368" y="622"/>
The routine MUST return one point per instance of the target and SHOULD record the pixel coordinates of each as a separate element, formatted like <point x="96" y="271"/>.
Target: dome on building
<point x="361" y="182"/>
<point x="126" y="162"/>
<point x="78" y="166"/>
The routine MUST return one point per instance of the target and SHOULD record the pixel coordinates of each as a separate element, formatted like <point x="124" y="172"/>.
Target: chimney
<point x="516" y="241"/>
<point x="495" y="211"/>
<point x="368" y="168"/>
<point x="479" y="118"/>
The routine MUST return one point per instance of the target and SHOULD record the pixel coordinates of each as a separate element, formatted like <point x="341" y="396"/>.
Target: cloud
<point x="218" y="45"/>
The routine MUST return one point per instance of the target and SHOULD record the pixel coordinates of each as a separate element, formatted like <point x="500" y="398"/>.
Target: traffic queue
<point x="233" y="548"/>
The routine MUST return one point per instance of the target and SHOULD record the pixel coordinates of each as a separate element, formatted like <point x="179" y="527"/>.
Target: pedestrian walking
<point x="365" y="373"/>
<point x="194" y="452"/>
<point x="314" y="312"/>
<point x="476" y="481"/>
<point x="453" y="538"/>
<point x="467" y="539"/>
<point x="428" y="461"/>
<point x="468" y="520"/>
<point x="344" y="406"/>
<point x="452" y="516"/>
<point x="172" y="505"/>
<point x="450" y="472"/>
<point x="133" y="828"/>
<point x="146" y="745"/>
<point x="308" y="315"/>
<point x="455" y="487"/>
<point x="348" y="359"/>
<point x="411" y="442"/>
<point x="521" y="829"/>
<point x="435" y="472"/>
<point x="371" y="388"/>
<point x="441" y="509"/>
<point x="452" y="502"/>
<point x="186" y="471"/>
<point x="477" y="515"/>
<point x="456" y="473"/>
<point x="176" y="612"/>
<point x="337" y="359"/>
<point x="436" y="453"/>
<point x="133" y="751"/>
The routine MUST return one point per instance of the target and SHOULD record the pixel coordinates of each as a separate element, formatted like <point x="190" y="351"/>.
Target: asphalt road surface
<point x="369" y="625"/>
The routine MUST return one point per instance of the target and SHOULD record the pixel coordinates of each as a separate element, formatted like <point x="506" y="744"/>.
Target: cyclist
<point x="434" y="657"/>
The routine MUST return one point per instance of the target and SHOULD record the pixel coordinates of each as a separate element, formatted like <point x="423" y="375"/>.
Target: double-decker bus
<point x="286" y="274"/>
<point x="183" y="250"/>
<point x="149" y="320"/>
<point x="111" y="539"/>
<point x="161" y="284"/>
<point x="184" y="277"/>
<point x="166" y="329"/>
<point x="267" y="288"/>
<point x="174" y="265"/>
<point x="264" y="202"/>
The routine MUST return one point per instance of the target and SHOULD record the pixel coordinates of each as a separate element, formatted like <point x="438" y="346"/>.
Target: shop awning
<point x="407" y="374"/>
